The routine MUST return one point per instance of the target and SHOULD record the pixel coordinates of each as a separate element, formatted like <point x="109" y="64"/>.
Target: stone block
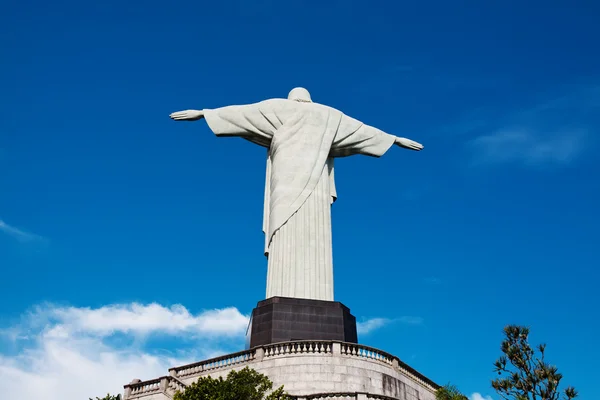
<point x="283" y="319"/>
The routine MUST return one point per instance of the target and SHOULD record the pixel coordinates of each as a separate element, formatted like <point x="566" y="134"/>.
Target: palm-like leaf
<point x="449" y="392"/>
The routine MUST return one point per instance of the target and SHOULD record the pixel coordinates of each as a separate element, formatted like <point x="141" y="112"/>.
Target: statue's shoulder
<point x="287" y="104"/>
<point x="329" y="109"/>
<point x="274" y="102"/>
<point x="295" y="106"/>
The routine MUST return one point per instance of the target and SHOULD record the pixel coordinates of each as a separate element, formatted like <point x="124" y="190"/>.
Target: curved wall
<point x="305" y="369"/>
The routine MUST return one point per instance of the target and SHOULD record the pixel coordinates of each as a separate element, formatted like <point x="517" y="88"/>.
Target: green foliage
<point x="246" y="384"/>
<point x="527" y="376"/>
<point x="108" y="397"/>
<point x="449" y="392"/>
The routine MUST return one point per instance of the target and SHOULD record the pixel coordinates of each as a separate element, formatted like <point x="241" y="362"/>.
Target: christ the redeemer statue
<point x="302" y="139"/>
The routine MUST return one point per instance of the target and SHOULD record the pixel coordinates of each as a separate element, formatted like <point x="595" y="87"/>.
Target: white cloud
<point x="143" y="319"/>
<point x="554" y="130"/>
<point x="74" y="369"/>
<point x="478" y="396"/>
<point x="526" y="147"/>
<point x="17" y="233"/>
<point x="70" y="353"/>
<point x="370" y="325"/>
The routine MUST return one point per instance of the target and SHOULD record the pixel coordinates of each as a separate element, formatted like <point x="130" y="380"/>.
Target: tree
<point x="246" y="384"/>
<point x="108" y="397"/>
<point x="449" y="392"/>
<point x="526" y="375"/>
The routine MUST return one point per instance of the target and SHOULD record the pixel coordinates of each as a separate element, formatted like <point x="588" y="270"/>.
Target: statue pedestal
<point x="284" y="319"/>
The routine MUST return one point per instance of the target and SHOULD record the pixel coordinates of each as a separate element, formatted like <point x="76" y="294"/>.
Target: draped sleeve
<point x="255" y="122"/>
<point x="354" y="137"/>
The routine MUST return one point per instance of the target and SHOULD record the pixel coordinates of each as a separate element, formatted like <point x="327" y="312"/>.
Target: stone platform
<point x="309" y="370"/>
<point x="284" y="319"/>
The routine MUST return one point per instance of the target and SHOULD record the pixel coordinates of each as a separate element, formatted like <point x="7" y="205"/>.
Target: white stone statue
<point x="302" y="139"/>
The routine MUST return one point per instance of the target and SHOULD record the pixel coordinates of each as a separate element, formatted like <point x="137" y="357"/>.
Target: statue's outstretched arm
<point x="408" y="144"/>
<point x="187" y="115"/>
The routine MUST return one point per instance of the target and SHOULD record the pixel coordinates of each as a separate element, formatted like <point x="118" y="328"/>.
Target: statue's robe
<point x="302" y="139"/>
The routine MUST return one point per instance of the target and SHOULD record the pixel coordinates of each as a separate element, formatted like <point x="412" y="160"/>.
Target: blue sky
<point x="127" y="239"/>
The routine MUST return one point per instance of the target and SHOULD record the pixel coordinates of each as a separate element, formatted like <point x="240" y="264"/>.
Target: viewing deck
<point x="307" y="369"/>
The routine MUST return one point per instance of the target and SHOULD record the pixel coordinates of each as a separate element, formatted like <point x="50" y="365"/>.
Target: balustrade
<point x="303" y="347"/>
<point x="175" y="385"/>
<point x="378" y="397"/>
<point x="357" y="350"/>
<point x="343" y="396"/>
<point x="215" y="363"/>
<point x="287" y="349"/>
<point x="332" y="396"/>
<point x="145" y="388"/>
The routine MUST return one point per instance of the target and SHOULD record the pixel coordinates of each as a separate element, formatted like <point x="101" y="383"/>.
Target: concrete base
<point x="284" y="319"/>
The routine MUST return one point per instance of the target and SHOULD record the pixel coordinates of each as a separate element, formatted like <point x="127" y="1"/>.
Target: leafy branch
<point x="524" y="375"/>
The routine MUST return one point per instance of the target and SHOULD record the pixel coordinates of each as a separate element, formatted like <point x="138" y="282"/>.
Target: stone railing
<point x="300" y="348"/>
<point x="139" y="389"/>
<point x="167" y="385"/>
<point x="343" y="396"/>
<point x="357" y="350"/>
<point x="170" y="384"/>
<point x="327" y="396"/>
<point x="212" y="364"/>
<point x="174" y="385"/>
<point x="415" y="376"/>
<point x="374" y="396"/>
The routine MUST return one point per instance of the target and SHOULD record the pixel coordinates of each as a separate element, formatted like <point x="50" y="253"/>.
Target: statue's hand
<point x="408" y="144"/>
<point x="187" y="115"/>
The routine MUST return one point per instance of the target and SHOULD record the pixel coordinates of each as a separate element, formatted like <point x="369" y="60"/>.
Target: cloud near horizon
<point x="73" y="353"/>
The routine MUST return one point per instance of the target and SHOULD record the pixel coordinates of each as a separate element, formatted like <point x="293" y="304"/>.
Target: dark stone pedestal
<point x="282" y="319"/>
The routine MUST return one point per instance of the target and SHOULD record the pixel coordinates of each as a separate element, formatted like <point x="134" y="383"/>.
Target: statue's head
<point x="300" y="94"/>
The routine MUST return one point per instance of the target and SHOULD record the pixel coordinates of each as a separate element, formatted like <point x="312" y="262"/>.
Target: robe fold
<point x="302" y="140"/>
